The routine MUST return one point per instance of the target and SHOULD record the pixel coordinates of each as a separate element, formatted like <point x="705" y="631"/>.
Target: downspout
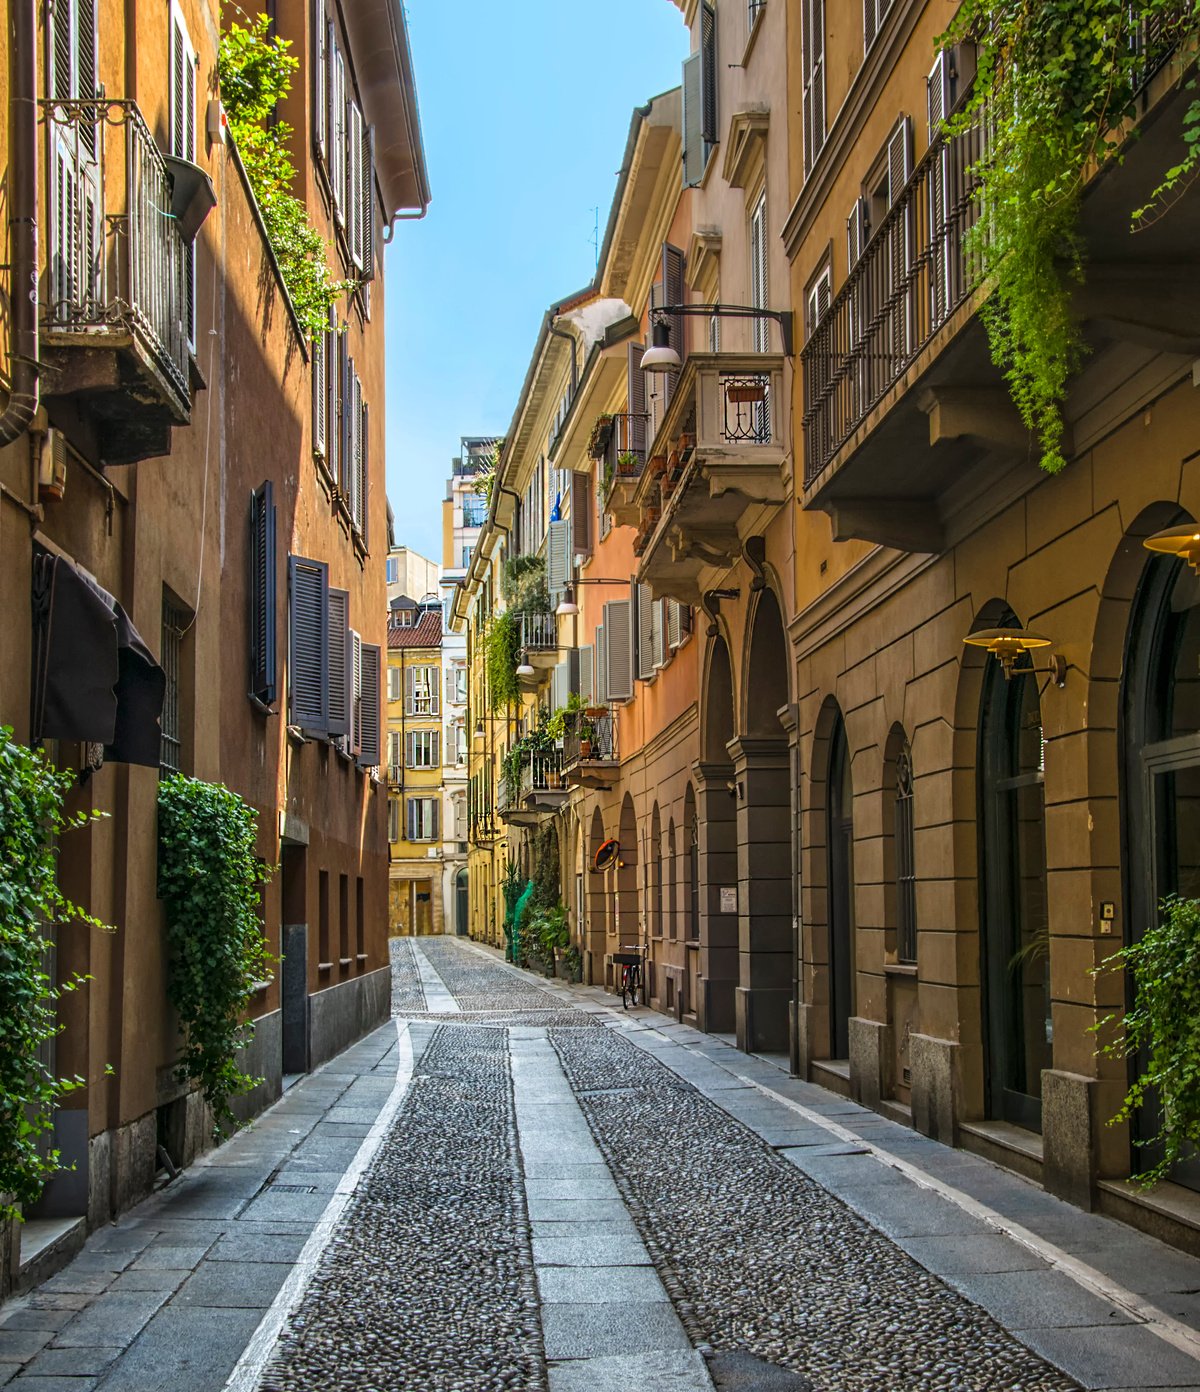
<point x="570" y="337"/>
<point x="22" y="225"/>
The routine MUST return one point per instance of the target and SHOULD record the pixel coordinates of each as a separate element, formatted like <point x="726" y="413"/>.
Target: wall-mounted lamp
<point x="525" y="669"/>
<point x="1010" y="644"/>
<point x="661" y="357"/>
<point x="567" y="605"/>
<point x="1183" y="542"/>
<point x="479" y="732"/>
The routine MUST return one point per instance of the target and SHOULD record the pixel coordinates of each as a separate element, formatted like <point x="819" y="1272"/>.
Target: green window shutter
<point x="370" y="705"/>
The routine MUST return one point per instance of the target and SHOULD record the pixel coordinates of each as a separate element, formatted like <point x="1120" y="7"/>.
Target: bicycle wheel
<point x="627" y="987"/>
<point x="635" y="983"/>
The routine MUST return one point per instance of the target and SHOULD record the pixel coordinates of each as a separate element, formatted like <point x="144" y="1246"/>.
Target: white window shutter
<point x="674" y="633"/>
<point x="658" y="633"/>
<point x="759" y="292"/>
<point x="354" y="192"/>
<point x="600" y="669"/>
<point x="899" y="158"/>
<point x="558" y="556"/>
<point x="856" y="232"/>
<point x="586" y="677"/>
<point x="618" y="637"/>
<point x="356" y="645"/>
<point x="337" y="137"/>
<point x="644" y="638"/>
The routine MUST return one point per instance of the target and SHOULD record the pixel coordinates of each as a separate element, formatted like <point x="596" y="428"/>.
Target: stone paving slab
<point x="645" y="1372"/>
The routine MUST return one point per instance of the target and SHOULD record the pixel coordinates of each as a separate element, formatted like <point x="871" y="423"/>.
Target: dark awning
<point x="94" y="679"/>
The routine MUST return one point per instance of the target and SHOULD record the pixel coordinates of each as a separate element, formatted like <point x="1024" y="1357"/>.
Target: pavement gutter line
<point x="439" y="1000"/>
<point x="1171" y="1331"/>
<point x="249" y="1367"/>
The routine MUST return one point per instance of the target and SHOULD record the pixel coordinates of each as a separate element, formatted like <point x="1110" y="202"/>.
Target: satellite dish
<point x="606" y="856"/>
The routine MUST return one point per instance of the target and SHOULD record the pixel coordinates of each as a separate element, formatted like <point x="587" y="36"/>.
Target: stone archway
<point x="626" y="924"/>
<point x="595" y="928"/>
<point x="763" y="783"/>
<point x="716" y="850"/>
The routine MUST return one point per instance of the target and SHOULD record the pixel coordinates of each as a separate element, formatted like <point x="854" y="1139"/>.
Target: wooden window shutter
<point x="618" y="638"/>
<point x="899" y="156"/>
<point x="344" y="368"/>
<point x="354" y="190"/>
<point x="308" y="637"/>
<point x="708" y="72"/>
<point x="674" y="627"/>
<point x="856" y="232"/>
<point x="365" y="475"/>
<point x="586" y="674"/>
<point x="636" y="386"/>
<point x="341" y="676"/>
<point x="371" y="666"/>
<point x="600" y="667"/>
<point x="337" y="136"/>
<point x="356" y="693"/>
<point x="643" y="646"/>
<point x="581" y="514"/>
<point x="693" y="122"/>
<point x="330" y="369"/>
<point x="262" y="593"/>
<point x="320" y="392"/>
<point x="409" y="691"/>
<point x="658" y="637"/>
<point x="813" y="80"/>
<point x="673" y="291"/>
<point x="870" y="22"/>
<point x="368" y="203"/>
<point x="435" y="694"/>
<point x="759" y="291"/>
<point x="558" y="556"/>
<point x="320" y="73"/>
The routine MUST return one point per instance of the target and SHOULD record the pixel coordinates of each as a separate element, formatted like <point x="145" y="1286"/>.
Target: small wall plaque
<point x="729" y="899"/>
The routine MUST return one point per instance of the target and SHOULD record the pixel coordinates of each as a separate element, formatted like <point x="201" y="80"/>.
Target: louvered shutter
<point x="587" y="692"/>
<point x="435" y="693"/>
<point x="337" y="136"/>
<point x="332" y="382"/>
<point x="856" y="232"/>
<point x="364" y="488"/>
<point x="354" y="190"/>
<point x="356" y="645"/>
<point x="308" y="638"/>
<point x="559" y="682"/>
<point x="618" y="640"/>
<point x="600" y="667"/>
<point x="62" y="81"/>
<point x="658" y="638"/>
<point x="262" y="593"/>
<point x="636" y="383"/>
<point x="643" y="639"/>
<point x="581" y="514"/>
<point x="693" y="123"/>
<point x="899" y="154"/>
<point x="368" y="203"/>
<point x="558" y="556"/>
<point x="371" y="666"/>
<point x="320" y="100"/>
<point x="673" y="293"/>
<point x="870" y="23"/>
<point x="674" y="626"/>
<point x="341" y="675"/>
<point x="814" y="80"/>
<point x="759" y="293"/>
<point x="320" y="395"/>
<point x="409" y="691"/>
<point x="939" y="192"/>
<point x="345" y="397"/>
<point x="708" y="72"/>
<point x="358" y="462"/>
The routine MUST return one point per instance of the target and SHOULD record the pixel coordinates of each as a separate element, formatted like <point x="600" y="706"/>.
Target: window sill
<point x="908" y="969"/>
<point x="362" y="957"/>
<point x="324" y="967"/>
<point x="345" y="961"/>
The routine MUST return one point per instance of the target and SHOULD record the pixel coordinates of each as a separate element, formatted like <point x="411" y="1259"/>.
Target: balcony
<point x="909" y="429"/>
<point x="539" y="788"/>
<point x="589" y="754"/>
<point x="622" y="461"/>
<point x="719" y="470"/>
<point x="539" y="640"/>
<point x="120" y="286"/>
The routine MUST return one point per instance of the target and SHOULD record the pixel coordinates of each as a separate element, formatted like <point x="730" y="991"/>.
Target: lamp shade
<point x="567" y="605"/>
<point x="660" y="356"/>
<point x="1183" y="542"/>
<point x="525" y="669"/>
<point x="1007" y="644"/>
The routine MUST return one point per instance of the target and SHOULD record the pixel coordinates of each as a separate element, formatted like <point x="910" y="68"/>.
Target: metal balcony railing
<point x="596" y="732"/>
<point x="541" y="773"/>
<point x="539" y="632"/>
<point x="117" y="260"/>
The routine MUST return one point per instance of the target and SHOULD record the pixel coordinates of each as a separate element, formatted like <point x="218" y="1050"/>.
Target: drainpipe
<point x="22" y="225"/>
<point x="570" y="337"/>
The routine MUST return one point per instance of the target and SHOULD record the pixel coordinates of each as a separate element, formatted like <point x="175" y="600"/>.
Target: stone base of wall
<point x="762" y="1018"/>
<point x="936" y="1087"/>
<point x="1069" y="1144"/>
<point x="341" y="1014"/>
<point x="871" y="1059"/>
<point x="262" y="1058"/>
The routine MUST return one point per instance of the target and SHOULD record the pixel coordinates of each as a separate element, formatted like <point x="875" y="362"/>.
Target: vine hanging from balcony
<point x="255" y="72"/>
<point x="1056" y="86"/>
<point x="501" y="654"/>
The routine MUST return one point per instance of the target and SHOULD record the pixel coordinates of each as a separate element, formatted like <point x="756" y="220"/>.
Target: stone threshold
<point x="1004" y="1144"/>
<point x="1169" y="1211"/>
<point x="47" y="1245"/>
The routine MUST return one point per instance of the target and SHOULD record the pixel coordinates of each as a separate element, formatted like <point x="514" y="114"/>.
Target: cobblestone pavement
<point x="518" y="1185"/>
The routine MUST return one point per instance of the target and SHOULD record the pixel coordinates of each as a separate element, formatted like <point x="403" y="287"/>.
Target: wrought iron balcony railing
<point x="541" y="773"/>
<point x="118" y="264"/>
<point x="539" y="632"/>
<point x="590" y="738"/>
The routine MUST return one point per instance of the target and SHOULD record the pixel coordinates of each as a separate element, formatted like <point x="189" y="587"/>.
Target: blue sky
<point x="525" y="110"/>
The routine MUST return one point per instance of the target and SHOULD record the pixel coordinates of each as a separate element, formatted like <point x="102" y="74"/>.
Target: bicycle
<point x="630" y="962"/>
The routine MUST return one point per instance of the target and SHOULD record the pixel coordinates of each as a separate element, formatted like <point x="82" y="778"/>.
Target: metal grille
<point x="746" y="408"/>
<point x="174" y="626"/>
<point x="906" y="872"/>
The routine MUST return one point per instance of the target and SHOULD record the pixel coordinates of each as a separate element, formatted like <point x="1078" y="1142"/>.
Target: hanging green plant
<point x="1055" y="85"/>
<point x="32" y="797"/>
<point x="501" y="654"/>
<point x="209" y="879"/>
<point x="1162" y="1031"/>
<point x="255" y="73"/>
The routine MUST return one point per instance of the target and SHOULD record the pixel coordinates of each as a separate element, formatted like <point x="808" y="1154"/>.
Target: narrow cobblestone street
<point x="517" y="1185"/>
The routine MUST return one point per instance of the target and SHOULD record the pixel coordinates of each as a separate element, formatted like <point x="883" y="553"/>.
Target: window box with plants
<point x="601" y="436"/>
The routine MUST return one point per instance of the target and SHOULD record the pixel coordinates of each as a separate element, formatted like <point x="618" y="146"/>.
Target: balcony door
<point x="1161" y="774"/>
<point x="76" y="220"/>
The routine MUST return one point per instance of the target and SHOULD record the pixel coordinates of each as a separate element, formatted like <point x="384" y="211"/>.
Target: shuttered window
<point x="600" y="668"/>
<point x="183" y="137"/>
<point x="423" y="751"/>
<point x="395" y="756"/>
<point x="658" y="634"/>
<point x="587" y="690"/>
<point x="672" y="281"/>
<point x="364" y="468"/>
<point x="421" y="690"/>
<point x="354" y="181"/>
<point x="618" y="639"/>
<point x="581" y="514"/>
<point x="308" y="644"/>
<point x="337" y="133"/>
<point x="262" y="594"/>
<point x="708" y="73"/>
<point x="695" y="152"/>
<point x="874" y="13"/>
<point x="679" y="623"/>
<point x="370" y="705"/>
<point x="320" y="77"/>
<point x="422" y="822"/>
<point x="559" y="563"/>
<point x="393" y="680"/>
<point x="820" y="296"/>
<point x="320" y="395"/>
<point x="367" y="155"/>
<point x="345" y="368"/>
<point x="643" y="610"/>
<point x="355" y="693"/>
<point x="813" y="79"/>
<point x="393" y="819"/>
<point x="759" y="292"/>
<point x="857" y="231"/>
<point x="331" y="381"/>
<point x="341" y="664"/>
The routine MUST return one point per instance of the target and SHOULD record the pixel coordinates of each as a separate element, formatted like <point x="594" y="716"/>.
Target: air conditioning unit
<point x="52" y="465"/>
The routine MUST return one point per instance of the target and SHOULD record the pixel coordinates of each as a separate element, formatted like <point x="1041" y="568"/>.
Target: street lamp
<point x="526" y="668"/>
<point x="661" y="357"/>
<point x="567" y="606"/>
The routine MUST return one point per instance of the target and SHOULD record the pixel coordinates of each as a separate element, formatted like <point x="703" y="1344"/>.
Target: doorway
<point x="840" y="841"/>
<point x="293" y="873"/>
<point x="461" y="904"/>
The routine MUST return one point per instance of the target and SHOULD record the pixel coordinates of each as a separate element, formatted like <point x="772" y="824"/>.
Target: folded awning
<point x="94" y="678"/>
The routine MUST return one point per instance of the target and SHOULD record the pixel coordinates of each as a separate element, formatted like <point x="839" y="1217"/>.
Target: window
<point x="475" y="511"/>
<point x="393" y="570"/>
<point x="344" y="919"/>
<point x="818" y="299"/>
<point x="422" y="818"/>
<point x="423" y="749"/>
<point x="394" y="691"/>
<point x="460" y="744"/>
<point x="906" y="873"/>
<point x="176" y="621"/>
<point x="421" y="691"/>
<point x="758" y="273"/>
<point x="460" y="683"/>
<point x="813" y="78"/>
<point x="262" y="594"/>
<point x="323" y="918"/>
<point x="874" y="13"/>
<point x="395" y="757"/>
<point x="393" y="819"/>
<point x="183" y="134"/>
<point x="467" y="553"/>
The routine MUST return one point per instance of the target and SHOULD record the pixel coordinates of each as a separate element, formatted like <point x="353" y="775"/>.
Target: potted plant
<point x="586" y="733"/>
<point x="601" y="434"/>
<point x="628" y="464"/>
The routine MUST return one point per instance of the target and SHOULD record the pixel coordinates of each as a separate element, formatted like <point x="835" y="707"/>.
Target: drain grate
<point x="293" y="1188"/>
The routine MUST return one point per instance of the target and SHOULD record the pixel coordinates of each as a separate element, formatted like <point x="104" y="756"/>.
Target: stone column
<point x="716" y="827"/>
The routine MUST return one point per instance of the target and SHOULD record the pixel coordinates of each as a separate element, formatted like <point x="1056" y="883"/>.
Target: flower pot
<point x="750" y="392"/>
<point x="585" y="749"/>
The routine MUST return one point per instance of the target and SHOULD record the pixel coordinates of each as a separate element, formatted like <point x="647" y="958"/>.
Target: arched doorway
<point x="595" y="932"/>
<point x="716" y="852"/>
<point x="763" y="785"/>
<point x="626" y="925"/>
<point x="1160" y="759"/>
<point x="461" y="903"/>
<point x="1013" y="910"/>
<point x="655" y="912"/>
<point x="839" y="872"/>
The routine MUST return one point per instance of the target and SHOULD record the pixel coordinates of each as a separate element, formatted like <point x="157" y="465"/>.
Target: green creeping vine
<point x="255" y="73"/>
<point x="32" y="794"/>
<point x="1163" y="1025"/>
<point x="1055" y="88"/>
<point x="209" y="879"/>
<point x="501" y="656"/>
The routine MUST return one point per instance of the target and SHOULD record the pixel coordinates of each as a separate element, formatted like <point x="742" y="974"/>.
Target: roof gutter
<point x="22" y="225"/>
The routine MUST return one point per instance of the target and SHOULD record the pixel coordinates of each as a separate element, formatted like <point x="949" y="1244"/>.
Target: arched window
<point x="906" y="865"/>
<point x="1013" y="911"/>
<point x="839" y="869"/>
<point x="656" y="875"/>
